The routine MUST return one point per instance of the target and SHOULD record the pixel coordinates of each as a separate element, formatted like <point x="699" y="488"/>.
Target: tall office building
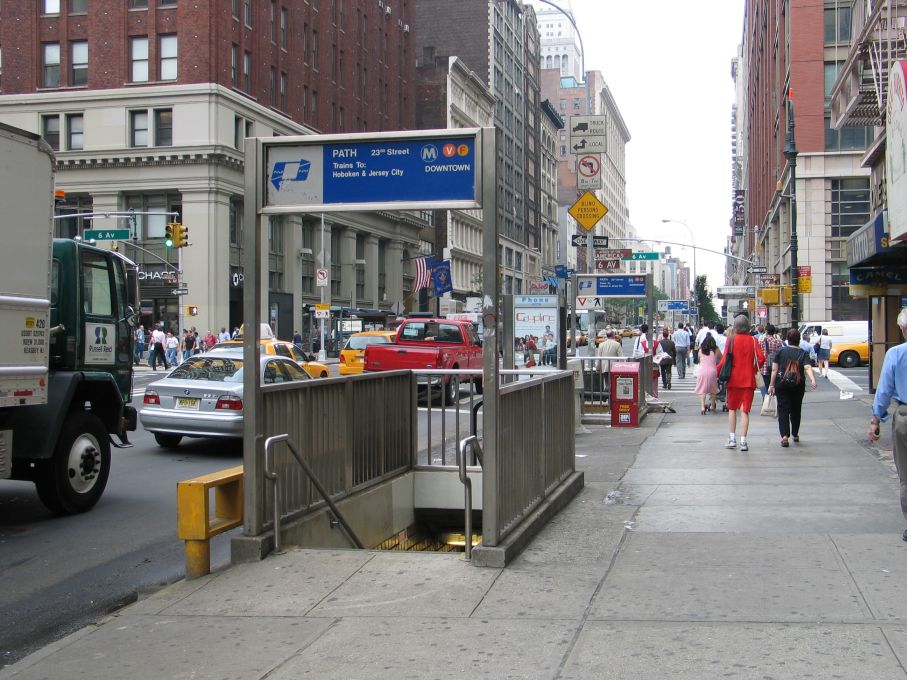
<point x="147" y="104"/>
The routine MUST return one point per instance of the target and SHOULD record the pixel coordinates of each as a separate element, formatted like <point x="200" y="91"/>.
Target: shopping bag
<point x="769" y="406"/>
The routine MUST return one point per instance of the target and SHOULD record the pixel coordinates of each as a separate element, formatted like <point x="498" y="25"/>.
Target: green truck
<point x="67" y="320"/>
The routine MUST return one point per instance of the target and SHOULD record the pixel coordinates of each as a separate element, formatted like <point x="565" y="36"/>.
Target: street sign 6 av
<point x="642" y="256"/>
<point x="588" y="210"/>
<point x="106" y="234"/>
<point x="608" y="265"/>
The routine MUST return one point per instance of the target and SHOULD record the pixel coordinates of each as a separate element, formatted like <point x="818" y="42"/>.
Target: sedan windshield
<point x="215" y="369"/>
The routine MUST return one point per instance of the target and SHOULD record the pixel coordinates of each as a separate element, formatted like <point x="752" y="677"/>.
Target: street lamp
<point x="790" y="153"/>
<point x="693" y="244"/>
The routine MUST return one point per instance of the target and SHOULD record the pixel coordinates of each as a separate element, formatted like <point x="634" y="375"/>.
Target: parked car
<point x="202" y="397"/>
<point x="430" y="344"/>
<point x="279" y="348"/>
<point x="353" y="354"/>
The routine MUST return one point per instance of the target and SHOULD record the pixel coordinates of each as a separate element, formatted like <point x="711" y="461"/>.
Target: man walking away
<point x="700" y="336"/>
<point x="139" y="352"/>
<point x="771" y="345"/>
<point x="893" y="385"/>
<point x="668" y="347"/>
<point x="682" y="346"/>
<point x="612" y="349"/>
<point x="157" y="349"/>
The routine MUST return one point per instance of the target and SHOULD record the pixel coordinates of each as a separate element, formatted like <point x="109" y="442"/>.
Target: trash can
<point x="626" y="393"/>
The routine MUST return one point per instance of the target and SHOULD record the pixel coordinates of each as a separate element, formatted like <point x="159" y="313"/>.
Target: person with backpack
<point x="771" y="344"/>
<point x="787" y="383"/>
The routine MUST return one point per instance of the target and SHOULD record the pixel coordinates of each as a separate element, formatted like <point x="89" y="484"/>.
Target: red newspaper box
<point x="625" y="394"/>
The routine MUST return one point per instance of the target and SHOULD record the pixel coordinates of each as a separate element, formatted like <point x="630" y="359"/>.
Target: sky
<point x="668" y="66"/>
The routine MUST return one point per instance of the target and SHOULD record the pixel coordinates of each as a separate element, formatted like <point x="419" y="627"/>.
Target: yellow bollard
<point x="198" y="558"/>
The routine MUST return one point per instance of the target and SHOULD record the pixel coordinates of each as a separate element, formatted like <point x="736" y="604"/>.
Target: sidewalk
<point x="679" y="559"/>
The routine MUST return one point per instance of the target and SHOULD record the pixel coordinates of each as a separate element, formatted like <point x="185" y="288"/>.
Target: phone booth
<point x="626" y="393"/>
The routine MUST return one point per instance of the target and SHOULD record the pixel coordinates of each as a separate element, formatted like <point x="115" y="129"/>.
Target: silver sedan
<point x="202" y="397"/>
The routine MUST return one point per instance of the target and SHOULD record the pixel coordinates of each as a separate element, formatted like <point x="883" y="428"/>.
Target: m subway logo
<point x="289" y="171"/>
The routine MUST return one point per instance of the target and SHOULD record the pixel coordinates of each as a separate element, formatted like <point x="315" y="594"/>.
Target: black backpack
<point x="790" y="376"/>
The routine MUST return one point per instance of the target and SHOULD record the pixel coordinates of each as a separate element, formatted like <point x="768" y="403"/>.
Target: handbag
<point x="790" y="377"/>
<point x="663" y="359"/>
<point x="769" y="406"/>
<point x="728" y="366"/>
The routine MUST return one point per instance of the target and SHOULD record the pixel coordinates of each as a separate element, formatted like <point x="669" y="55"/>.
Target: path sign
<point x="642" y="256"/>
<point x="589" y="172"/>
<point x="612" y="254"/>
<point x="769" y="280"/>
<point x="179" y="291"/>
<point x="805" y="284"/>
<point x="321" y="277"/>
<point x="734" y="292"/>
<point x="673" y="306"/>
<point x="757" y="269"/>
<point x="580" y="241"/>
<point x="608" y="265"/>
<point x="589" y="134"/>
<point x="588" y="211"/>
<point x="106" y="234"/>
<point x="610" y="285"/>
<point x="373" y="172"/>
<point x="322" y="311"/>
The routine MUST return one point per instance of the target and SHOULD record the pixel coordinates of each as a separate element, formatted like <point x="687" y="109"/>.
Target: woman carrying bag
<point x="789" y="366"/>
<point x="738" y="367"/>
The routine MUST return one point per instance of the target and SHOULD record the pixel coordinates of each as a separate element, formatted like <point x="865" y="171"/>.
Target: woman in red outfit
<point x="748" y="357"/>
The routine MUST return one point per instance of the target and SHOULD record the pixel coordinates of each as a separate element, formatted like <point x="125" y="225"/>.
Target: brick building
<point x="147" y="103"/>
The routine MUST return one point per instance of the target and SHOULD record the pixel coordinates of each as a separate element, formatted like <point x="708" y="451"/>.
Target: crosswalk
<point x="685" y="385"/>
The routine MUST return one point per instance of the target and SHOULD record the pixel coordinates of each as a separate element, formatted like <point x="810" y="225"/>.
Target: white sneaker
<point x="731" y="443"/>
<point x="743" y="444"/>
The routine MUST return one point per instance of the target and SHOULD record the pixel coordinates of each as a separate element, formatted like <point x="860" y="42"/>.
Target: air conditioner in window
<point x="387" y="11"/>
<point x="406" y="28"/>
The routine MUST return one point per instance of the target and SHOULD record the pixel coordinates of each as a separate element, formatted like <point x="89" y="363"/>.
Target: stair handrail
<point x="273" y="477"/>
<point x="470" y="441"/>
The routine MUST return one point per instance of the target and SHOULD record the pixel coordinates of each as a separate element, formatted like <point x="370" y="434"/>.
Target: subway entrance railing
<point x="383" y="447"/>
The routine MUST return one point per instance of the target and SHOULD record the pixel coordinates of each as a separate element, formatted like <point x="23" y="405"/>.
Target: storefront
<point x="158" y="303"/>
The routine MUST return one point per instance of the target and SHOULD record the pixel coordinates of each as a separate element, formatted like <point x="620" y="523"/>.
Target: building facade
<point x="147" y="105"/>
<point x="798" y="48"/>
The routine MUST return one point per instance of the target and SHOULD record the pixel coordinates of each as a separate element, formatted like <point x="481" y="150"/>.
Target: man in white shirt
<point x="720" y="337"/>
<point x="158" y="338"/>
<point x="682" y="343"/>
<point x="223" y="336"/>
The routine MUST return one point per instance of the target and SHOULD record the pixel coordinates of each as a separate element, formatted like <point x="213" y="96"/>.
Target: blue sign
<point x="552" y="281"/>
<point x="614" y="285"/>
<point x="440" y="274"/>
<point x="373" y="171"/>
<point x="878" y="276"/>
<point x="678" y="305"/>
<point x="694" y="311"/>
<point x="560" y="270"/>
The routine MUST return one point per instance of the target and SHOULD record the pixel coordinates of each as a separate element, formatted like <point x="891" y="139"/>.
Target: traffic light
<point x="169" y="235"/>
<point x="177" y="235"/>
<point x="191" y="310"/>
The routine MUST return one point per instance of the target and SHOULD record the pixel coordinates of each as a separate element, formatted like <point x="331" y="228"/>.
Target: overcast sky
<point x="668" y="65"/>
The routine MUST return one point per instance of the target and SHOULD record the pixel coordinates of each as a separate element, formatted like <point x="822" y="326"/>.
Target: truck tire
<point x="167" y="441"/>
<point x="75" y="477"/>
<point x="452" y="391"/>
<point x="848" y="359"/>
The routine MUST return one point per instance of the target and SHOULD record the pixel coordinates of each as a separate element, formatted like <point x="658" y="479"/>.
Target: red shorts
<point x="740" y="398"/>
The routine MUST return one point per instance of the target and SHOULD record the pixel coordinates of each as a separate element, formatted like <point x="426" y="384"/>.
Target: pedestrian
<point x="893" y="385"/>
<point x="682" y="346"/>
<point x="211" y="340"/>
<point x="235" y="333"/>
<point x="720" y="338"/>
<point x="223" y="336"/>
<point x="789" y="366"/>
<point x="172" y="344"/>
<point x="770" y="344"/>
<point x="823" y="353"/>
<point x="297" y="338"/>
<point x="139" y="351"/>
<point x="611" y="350"/>
<point x="188" y="344"/>
<point x="747" y="360"/>
<point x="700" y="336"/>
<point x="807" y="346"/>
<point x="642" y="346"/>
<point x="670" y="349"/>
<point x="196" y="341"/>
<point x="156" y="354"/>
<point x="707" y="377"/>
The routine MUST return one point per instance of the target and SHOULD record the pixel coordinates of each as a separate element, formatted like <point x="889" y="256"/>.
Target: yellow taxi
<point x="353" y="353"/>
<point x="272" y="346"/>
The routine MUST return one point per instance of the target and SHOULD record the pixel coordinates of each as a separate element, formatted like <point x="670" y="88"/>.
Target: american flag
<point x="423" y="273"/>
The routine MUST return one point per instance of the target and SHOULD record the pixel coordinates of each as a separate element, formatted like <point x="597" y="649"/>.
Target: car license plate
<point x="187" y="403"/>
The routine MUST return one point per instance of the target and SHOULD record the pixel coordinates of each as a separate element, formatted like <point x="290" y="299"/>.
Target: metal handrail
<point x="272" y="476"/>
<point x="473" y="441"/>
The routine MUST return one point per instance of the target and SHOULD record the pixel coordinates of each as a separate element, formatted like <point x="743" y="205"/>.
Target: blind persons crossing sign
<point x="588" y="210"/>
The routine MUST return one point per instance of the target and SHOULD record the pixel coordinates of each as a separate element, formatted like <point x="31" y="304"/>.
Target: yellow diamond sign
<point x="588" y="210"/>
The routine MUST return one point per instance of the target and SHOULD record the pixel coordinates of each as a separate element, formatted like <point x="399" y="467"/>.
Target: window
<point x="51" y="64"/>
<point x="283" y="27"/>
<point x="97" y="290"/>
<point x="163" y="127"/>
<point x="235" y="221"/>
<point x="50" y="7"/>
<point x="78" y="6"/>
<point x="847" y="138"/>
<point x="139" y="55"/>
<point x="75" y="129"/>
<point x="315" y="50"/>
<point x="831" y="74"/>
<point x="272" y="90"/>
<point x="168" y="57"/>
<point x="849" y="205"/>
<point x="79" y="63"/>
<point x="234" y="8"/>
<point x="315" y="106"/>
<point x="50" y="130"/>
<point x="138" y="128"/>
<point x="273" y="21"/>
<point x="837" y="24"/>
<point x="138" y="4"/>
<point x="168" y="3"/>
<point x="247" y="12"/>
<point x="234" y="65"/>
<point x="283" y="91"/>
<point x="153" y="226"/>
<point x="247" y="72"/>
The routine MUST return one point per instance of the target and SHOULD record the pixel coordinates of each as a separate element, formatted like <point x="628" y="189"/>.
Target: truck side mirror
<point x="132" y="317"/>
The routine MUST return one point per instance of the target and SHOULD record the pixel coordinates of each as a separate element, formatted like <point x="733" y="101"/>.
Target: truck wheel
<point x="849" y="359"/>
<point x="478" y="385"/>
<point x="452" y="391"/>
<point x="167" y="441"/>
<point x="75" y="477"/>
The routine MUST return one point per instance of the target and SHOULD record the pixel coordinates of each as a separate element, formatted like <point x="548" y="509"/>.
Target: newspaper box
<point x="626" y="391"/>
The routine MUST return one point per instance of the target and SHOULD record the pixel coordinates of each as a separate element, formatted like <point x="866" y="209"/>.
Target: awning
<point x="869" y="245"/>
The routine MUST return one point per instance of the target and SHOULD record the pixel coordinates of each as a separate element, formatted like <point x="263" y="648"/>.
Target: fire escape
<point x="880" y="38"/>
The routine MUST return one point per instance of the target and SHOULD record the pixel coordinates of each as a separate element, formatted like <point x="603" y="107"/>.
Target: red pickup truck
<point x="429" y="344"/>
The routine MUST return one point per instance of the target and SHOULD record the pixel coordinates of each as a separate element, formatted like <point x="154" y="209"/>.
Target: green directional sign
<point x="643" y="256"/>
<point x="106" y="234"/>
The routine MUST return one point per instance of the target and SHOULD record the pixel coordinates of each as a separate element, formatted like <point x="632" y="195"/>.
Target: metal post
<point x="790" y="153"/>
<point x="322" y="353"/>
<point x="179" y="301"/>
<point x="590" y="267"/>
